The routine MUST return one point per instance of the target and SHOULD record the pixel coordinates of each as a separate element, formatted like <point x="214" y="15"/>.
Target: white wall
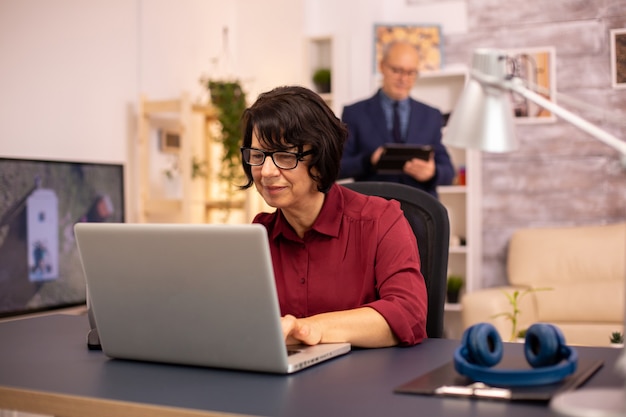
<point x="71" y="70"/>
<point x="68" y="69"/>
<point x="179" y="43"/>
<point x="270" y="44"/>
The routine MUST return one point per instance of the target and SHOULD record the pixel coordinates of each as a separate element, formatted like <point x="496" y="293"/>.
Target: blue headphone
<point x="544" y="348"/>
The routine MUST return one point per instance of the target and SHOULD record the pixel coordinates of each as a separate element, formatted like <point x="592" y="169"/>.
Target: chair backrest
<point x="429" y="220"/>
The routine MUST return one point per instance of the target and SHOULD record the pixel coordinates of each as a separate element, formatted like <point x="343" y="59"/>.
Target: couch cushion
<point x="583" y="302"/>
<point x="585" y="254"/>
<point x="589" y="334"/>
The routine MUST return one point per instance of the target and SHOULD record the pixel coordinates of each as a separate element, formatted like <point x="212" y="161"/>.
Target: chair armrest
<point x="484" y="305"/>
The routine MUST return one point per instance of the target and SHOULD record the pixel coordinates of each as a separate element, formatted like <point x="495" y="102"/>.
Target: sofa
<point x="576" y="276"/>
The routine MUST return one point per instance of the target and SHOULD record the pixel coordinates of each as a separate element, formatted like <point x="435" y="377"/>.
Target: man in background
<point x="392" y="116"/>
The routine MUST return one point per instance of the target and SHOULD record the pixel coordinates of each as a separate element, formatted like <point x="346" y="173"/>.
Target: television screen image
<point x="40" y="201"/>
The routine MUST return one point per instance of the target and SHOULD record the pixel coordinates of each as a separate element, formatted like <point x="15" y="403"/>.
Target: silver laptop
<point x="189" y="294"/>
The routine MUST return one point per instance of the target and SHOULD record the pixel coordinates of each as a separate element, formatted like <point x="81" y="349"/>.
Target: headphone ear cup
<point x="544" y="345"/>
<point x="484" y="345"/>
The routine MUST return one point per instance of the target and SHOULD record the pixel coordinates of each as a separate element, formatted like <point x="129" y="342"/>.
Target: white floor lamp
<point x="483" y="120"/>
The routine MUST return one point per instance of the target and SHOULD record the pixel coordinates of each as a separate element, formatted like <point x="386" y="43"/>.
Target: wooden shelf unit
<point x="192" y="198"/>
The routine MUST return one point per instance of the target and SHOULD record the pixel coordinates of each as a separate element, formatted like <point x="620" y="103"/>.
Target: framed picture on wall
<point x="618" y="58"/>
<point x="536" y="66"/>
<point x="426" y="38"/>
<point x="169" y="140"/>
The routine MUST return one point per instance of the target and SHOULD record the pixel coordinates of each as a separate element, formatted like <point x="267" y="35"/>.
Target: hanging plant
<point x="230" y="100"/>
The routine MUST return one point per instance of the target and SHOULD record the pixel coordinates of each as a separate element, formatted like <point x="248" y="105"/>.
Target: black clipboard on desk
<point x="445" y="381"/>
<point x="396" y="154"/>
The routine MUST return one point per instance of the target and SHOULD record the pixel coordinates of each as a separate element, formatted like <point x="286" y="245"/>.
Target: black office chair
<point x="429" y="220"/>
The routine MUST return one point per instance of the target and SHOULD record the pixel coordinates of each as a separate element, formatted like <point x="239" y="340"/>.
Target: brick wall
<point x="560" y="175"/>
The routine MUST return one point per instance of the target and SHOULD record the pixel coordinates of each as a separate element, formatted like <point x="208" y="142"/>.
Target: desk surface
<point x="45" y="367"/>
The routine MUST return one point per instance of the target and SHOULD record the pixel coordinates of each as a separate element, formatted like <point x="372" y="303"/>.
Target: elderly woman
<point x="347" y="266"/>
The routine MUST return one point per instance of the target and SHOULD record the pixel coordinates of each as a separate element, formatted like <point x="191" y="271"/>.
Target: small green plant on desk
<point x="513" y="315"/>
<point x="453" y="289"/>
<point x="617" y="338"/>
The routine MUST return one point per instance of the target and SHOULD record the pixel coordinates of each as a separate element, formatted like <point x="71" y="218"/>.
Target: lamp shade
<point x="483" y="116"/>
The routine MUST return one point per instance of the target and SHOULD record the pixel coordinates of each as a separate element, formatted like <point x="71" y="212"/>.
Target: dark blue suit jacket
<point x="368" y="130"/>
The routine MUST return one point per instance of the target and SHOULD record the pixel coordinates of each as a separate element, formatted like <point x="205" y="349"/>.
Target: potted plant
<point x="617" y="339"/>
<point x="454" y="286"/>
<point x="321" y="80"/>
<point x="513" y="315"/>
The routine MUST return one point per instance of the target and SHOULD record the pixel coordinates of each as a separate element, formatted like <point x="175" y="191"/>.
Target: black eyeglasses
<point x="282" y="159"/>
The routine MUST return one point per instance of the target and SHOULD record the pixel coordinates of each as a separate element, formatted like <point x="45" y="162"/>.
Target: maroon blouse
<point x="360" y="251"/>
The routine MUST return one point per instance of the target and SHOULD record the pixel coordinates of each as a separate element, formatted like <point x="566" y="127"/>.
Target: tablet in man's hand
<point x="396" y="154"/>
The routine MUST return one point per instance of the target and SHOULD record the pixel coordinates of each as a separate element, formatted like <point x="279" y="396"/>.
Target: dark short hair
<point x="292" y="116"/>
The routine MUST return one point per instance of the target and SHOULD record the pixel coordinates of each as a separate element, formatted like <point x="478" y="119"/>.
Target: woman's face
<point x="287" y="189"/>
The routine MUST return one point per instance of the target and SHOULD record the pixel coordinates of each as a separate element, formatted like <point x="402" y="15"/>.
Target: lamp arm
<point x="516" y="85"/>
<point x="612" y="117"/>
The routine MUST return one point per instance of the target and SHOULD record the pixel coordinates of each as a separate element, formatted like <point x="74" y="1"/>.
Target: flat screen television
<point x="40" y="201"/>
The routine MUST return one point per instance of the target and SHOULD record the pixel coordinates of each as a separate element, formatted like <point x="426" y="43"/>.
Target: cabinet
<point x="178" y="164"/>
<point x="441" y="89"/>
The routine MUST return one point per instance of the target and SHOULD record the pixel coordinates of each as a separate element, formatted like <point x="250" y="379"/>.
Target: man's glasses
<point x="399" y="71"/>
<point x="282" y="159"/>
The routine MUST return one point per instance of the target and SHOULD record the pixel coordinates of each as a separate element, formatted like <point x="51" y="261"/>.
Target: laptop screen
<point x="40" y="201"/>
